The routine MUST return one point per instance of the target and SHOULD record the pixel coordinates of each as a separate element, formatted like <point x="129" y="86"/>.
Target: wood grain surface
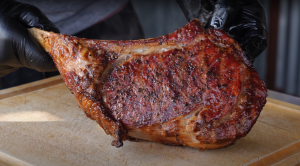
<point x="41" y="124"/>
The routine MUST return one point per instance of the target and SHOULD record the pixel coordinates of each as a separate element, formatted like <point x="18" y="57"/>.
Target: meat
<point x="193" y="87"/>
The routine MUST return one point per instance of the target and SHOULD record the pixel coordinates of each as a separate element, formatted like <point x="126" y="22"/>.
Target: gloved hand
<point x="243" y="20"/>
<point x="17" y="47"/>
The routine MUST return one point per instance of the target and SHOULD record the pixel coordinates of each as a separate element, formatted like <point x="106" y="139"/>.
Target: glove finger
<point x="250" y="30"/>
<point x="254" y="45"/>
<point x="31" y="16"/>
<point x="31" y="54"/>
<point x="223" y="15"/>
<point x="37" y="57"/>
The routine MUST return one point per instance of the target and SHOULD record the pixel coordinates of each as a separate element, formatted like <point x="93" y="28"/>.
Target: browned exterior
<point x="193" y="87"/>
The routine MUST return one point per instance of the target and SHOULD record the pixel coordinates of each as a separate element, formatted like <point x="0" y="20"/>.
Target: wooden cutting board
<point x="41" y="124"/>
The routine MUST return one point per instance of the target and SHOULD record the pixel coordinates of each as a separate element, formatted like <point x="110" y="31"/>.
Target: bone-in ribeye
<point x="193" y="87"/>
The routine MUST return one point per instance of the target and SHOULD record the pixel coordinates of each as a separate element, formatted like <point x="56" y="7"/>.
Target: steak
<point x="193" y="87"/>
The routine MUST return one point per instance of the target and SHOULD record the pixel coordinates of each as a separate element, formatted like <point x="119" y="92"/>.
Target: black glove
<point x="243" y="20"/>
<point x="17" y="47"/>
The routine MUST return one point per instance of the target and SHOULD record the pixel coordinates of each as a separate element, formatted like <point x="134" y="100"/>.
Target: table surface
<point x="41" y="124"/>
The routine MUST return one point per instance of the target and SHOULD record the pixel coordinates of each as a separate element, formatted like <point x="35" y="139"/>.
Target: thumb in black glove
<point x="243" y="20"/>
<point x="17" y="47"/>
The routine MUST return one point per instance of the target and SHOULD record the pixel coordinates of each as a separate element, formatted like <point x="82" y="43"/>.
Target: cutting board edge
<point x="30" y="87"/>
<point x="11" y="161"/>
<point x="278" y="155"/>
<point x="283" y="105"/>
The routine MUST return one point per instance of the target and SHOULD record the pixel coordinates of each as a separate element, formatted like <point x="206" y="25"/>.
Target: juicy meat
<point x="193" y="87"/>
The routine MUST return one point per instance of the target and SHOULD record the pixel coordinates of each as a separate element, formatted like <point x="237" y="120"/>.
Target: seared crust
<point x="193" y="87"/>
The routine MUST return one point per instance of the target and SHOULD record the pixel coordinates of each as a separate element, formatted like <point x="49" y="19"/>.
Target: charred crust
<point x="185" y="90"/>
<point x="117" y="143"/>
